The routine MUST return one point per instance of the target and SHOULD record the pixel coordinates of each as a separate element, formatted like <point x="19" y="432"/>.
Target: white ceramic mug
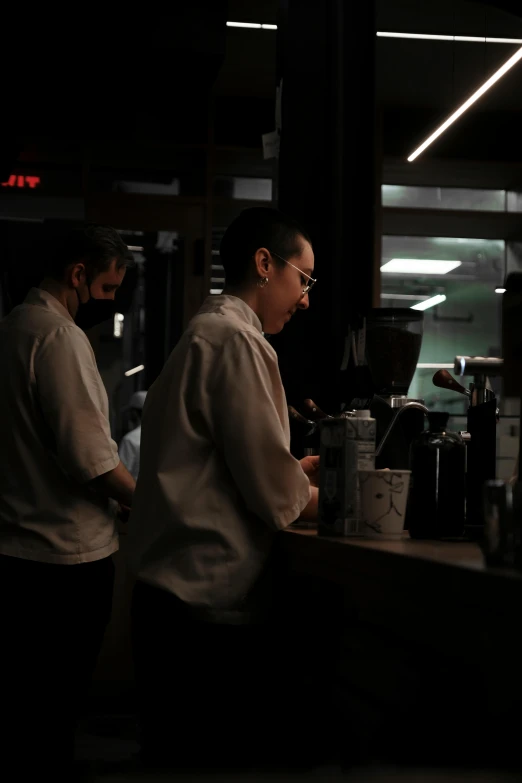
<point x="384" y="495"/>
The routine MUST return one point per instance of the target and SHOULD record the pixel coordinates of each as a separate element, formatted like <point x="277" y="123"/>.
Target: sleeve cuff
<point x="284" y="520"/>
<point x="99" y="469"/>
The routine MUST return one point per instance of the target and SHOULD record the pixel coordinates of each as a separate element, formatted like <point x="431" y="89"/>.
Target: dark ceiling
<point x="419" y="82"/>
<point x="149" y="77"/>
<point x="409" y="72"/>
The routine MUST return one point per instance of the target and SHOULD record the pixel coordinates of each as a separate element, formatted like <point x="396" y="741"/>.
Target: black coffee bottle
<point x="437" y="501"/>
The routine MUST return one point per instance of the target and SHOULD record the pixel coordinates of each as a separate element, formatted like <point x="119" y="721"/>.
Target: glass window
<point x="217" y="273"/>
<point x="514" y="201"/>
<point x="462" y="311"/>
<point x="411" y="197"/>
<point x="244" y="188"/>
<point x="184" y="175"/>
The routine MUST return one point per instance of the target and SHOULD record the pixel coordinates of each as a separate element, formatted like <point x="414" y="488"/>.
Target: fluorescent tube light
<point x="432" y="37"/>
<point x="513" y="60"/>
<point x="249" y="25"/>
<point x="252" y="25"/>
<point x="418" y="266"/>
<point x="134" y="370"/>
<point x="435" y="300"/>
<point x="417" y="36"/>
<point x="500" y="290"/>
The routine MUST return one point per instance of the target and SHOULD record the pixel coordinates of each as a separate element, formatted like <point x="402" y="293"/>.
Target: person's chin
<point x="274" y="328"/>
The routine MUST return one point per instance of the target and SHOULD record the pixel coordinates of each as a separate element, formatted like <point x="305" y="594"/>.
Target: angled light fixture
<point x="513" y="60"/>
<point x="435" y="300"/>
<point x="418" y="266"/>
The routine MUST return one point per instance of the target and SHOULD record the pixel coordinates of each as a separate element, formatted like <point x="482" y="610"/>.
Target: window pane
<point x="514" y="201"/>
<point x="244" y="188"/>
<point x="443" y="198"/>
<point x="467" y="322"/>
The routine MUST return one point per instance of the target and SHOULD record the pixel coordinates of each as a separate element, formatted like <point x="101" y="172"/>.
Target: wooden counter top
<point x="450" y="554"/>
<point x="435" y="591"/>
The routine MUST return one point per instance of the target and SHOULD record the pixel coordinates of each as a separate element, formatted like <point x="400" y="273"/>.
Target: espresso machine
<point x="480" y="437"/>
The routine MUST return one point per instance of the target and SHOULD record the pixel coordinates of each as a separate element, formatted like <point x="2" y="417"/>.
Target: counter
<point x="457" y="601"/>
<point x="428" y="653"/>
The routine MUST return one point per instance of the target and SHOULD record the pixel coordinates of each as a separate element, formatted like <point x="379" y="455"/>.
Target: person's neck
<point x="59" y="291"/>
<point x="248" y="295"/>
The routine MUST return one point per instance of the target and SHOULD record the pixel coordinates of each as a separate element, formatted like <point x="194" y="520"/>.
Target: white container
<point x="363" y="431"/>
<point x="337" y="479"/>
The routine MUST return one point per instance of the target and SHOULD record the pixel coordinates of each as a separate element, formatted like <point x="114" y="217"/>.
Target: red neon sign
<point x="21" y="181"/>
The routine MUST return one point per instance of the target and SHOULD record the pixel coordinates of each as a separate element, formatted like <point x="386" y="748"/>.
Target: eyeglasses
<point x="313" y="281"/>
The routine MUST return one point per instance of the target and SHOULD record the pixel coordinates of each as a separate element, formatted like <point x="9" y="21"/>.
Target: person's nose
<point x="304" y="303"/>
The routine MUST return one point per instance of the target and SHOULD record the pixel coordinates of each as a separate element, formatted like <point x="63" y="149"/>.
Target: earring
<point x="262" y="282"/>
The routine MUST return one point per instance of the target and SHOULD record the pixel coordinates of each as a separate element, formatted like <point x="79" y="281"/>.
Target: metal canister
<point x="499" y="543"/>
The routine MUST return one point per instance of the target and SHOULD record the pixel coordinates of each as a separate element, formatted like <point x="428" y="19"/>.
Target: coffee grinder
<point x="393" y="338"/>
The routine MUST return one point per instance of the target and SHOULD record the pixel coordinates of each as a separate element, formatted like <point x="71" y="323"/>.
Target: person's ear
<point x="76" y="275"/>
<point x="263" y="262"/>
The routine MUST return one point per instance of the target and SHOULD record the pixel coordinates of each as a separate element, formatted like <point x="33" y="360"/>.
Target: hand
<point x="123" y="513"/>
<point x="310" y="466"/>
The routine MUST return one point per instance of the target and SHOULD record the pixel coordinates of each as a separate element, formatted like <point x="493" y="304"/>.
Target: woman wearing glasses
<point x="217" y="482"/>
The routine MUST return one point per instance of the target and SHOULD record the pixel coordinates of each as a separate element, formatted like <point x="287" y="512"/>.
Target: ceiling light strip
<point x="388" y="34"/>
<point x="249" y="25"/>
<point x="513" y="60"/>
<point x="252" y="25"/>
<point x="434" y="37"/>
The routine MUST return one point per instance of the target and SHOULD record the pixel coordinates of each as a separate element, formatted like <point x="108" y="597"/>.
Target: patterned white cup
<point x="384" y="495"/>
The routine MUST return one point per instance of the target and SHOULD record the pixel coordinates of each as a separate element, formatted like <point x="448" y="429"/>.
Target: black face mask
<point x="94" y="311"/>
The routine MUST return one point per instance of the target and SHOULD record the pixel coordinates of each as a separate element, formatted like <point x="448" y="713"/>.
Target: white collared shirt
<point x="217" y="479"/>
<point x="54" y="438"/>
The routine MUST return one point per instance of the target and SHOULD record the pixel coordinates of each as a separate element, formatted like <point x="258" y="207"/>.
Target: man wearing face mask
<point x="59" y="468"/>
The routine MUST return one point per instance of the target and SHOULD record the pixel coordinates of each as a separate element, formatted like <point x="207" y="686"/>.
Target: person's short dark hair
<point x="254" y="228"/>
<point x="91" y="244"/>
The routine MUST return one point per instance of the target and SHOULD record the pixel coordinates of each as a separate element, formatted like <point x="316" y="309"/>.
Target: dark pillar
<point x="328" y="179"/>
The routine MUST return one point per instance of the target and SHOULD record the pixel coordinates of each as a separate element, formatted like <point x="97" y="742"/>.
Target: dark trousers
<point x="52" y="622"/>
<point x="208" y="694"/>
